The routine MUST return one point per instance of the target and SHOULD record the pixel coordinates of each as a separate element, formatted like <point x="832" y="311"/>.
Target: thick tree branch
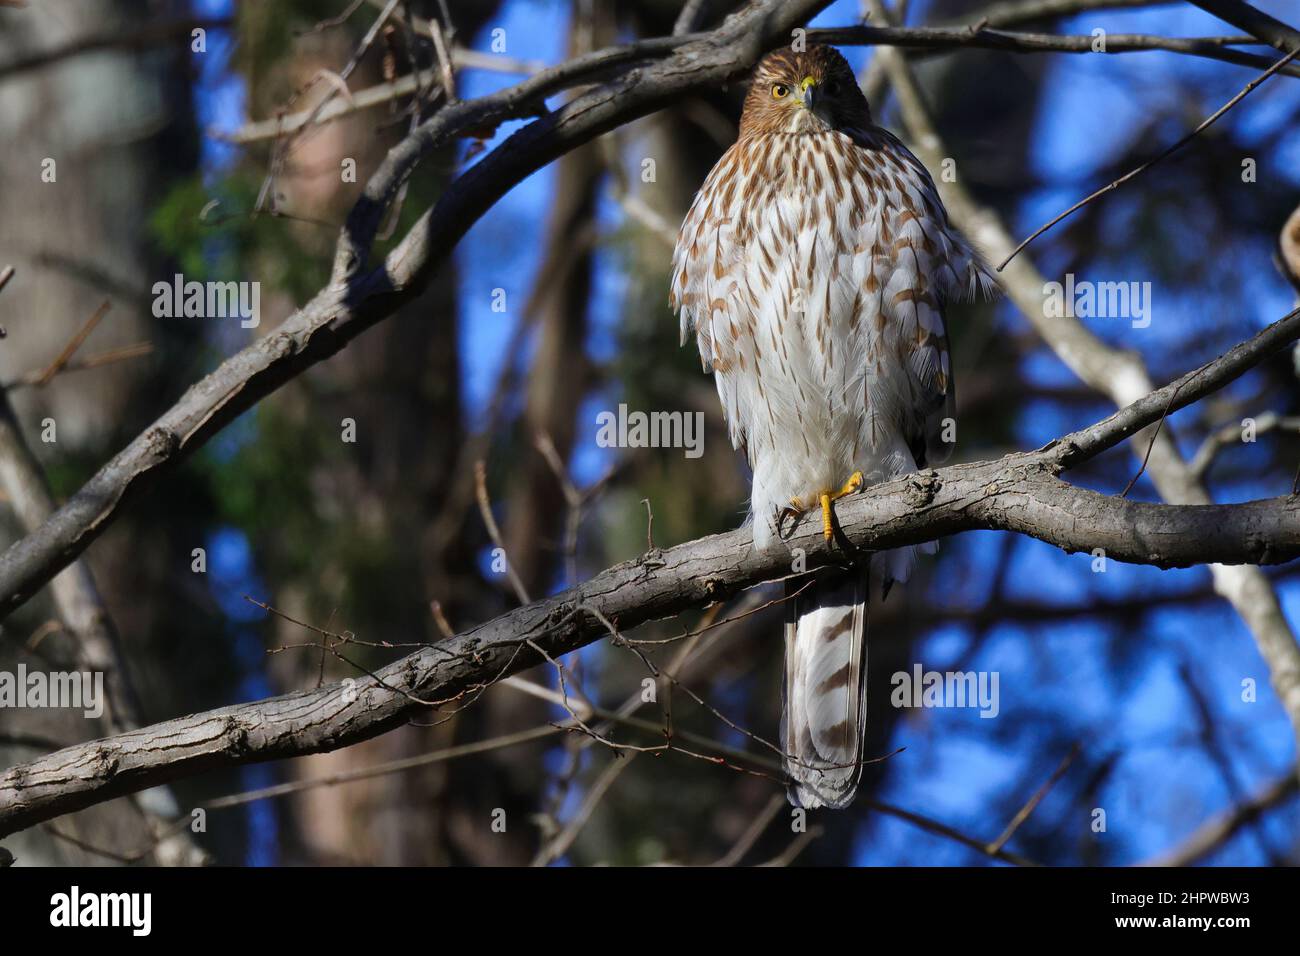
<point x="1020" y="493"/>
<point x="1255" y="22"/>
<point x="355" y="301"/>
<point x="588" y="69"/>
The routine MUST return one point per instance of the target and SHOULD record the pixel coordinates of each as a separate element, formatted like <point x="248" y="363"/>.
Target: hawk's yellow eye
<point x="780" y="91"/>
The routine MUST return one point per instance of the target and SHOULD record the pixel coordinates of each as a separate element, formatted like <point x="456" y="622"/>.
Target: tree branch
<point x="353" y="301"/>
<point x="1020" y="493"/>
<point x="1217" y="831"/>
<point x="935" y="39"/>
<point x="1255" y="22"/>
<point x="587" y="69"/>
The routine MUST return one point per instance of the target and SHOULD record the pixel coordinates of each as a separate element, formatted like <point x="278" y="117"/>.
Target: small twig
<point x="332" y="22"/>
<point x="574" y="498"/>
<point x="795" y="848"/>
<point x="337" y="81"/>
<point x="444" y="61"/>
<point x="710" y="624"/>
<point x="167" y="829"/>
<point x="559" y="845"/>
<point x="74" y="343"/>
<point x="6" y="274"/>
<point x="996" y="846"/>
<point x="1219" y="439"/>
<point x="649" y="526"/>
<point x="440" y="619"/>
<point x="1151" y="162"/>
<point x="382" y="769"/>
<point x="564" y="695"/>
<point x="752" y="832"/>
<point x="659" y="673"/>
<point x="112" y="356"/>
<point x="1151" y="444"/>
<point x="490" y="522"/>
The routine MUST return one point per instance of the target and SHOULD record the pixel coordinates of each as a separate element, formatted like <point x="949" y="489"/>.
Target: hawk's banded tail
<point x="825" y="688"/>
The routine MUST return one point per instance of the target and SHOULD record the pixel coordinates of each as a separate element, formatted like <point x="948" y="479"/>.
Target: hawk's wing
<point x="709" y="285"/>
<point x="933" y="265"/>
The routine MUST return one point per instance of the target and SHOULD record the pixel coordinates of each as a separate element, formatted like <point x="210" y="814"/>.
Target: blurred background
<point x="552" y="310"/>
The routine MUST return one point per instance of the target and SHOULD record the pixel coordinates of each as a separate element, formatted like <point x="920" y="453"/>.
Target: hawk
<point x="813" y="267"/>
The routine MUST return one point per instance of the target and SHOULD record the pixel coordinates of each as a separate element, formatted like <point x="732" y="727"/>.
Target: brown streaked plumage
<point x="814" y="266"/>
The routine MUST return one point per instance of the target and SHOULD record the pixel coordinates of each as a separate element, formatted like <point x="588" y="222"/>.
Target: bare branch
<point x="355" y="300"/>
<point x="1215" y="832"/>
<point x="1137" y="170"/>
<point x="136" y="38"/>
<point x="931" y="40"/>
<point x="1255" y="22"/>
<point x="1018" y="493"/>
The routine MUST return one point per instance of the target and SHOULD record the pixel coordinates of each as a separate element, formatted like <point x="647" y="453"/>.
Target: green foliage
<point x="230" y="243"/>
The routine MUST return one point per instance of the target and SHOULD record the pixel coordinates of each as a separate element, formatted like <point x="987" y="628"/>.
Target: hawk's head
<point x="808" y="91"/>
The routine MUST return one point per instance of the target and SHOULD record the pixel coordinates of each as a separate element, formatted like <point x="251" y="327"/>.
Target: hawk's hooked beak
<point x="808" y="89"/>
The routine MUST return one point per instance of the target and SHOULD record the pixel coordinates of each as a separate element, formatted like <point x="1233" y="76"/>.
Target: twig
<point x="1035" y="800"/>
<point x="752" y="832"/>
<point x="332" y="22"/>
<point x="490" y="522"/>
<point x="1151" y="444"/>
<point x="559" y="845"/>
<point x="1151" y="162"/>
<point x="796" y="847"/>
<point x="444" y="62"/>
<point x="1215" y="832"/>
<point x="729" y="620"/>
<point x="73" y="344"/>
<point x="649" y="526"/>
<point x="33" y="378"/>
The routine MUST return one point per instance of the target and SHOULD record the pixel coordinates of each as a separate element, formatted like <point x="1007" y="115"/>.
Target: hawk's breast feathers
<point x="813" y="268"/>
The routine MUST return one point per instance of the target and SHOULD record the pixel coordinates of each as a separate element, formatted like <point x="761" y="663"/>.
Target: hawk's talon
<point x="796" y="510"/>
<point x="793" y="512"/>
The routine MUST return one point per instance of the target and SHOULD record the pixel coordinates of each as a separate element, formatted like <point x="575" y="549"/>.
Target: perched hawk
<point x="814" y="266"/>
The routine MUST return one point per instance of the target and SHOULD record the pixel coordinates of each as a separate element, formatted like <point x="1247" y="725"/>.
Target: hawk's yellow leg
<point x="826" y="497"/>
